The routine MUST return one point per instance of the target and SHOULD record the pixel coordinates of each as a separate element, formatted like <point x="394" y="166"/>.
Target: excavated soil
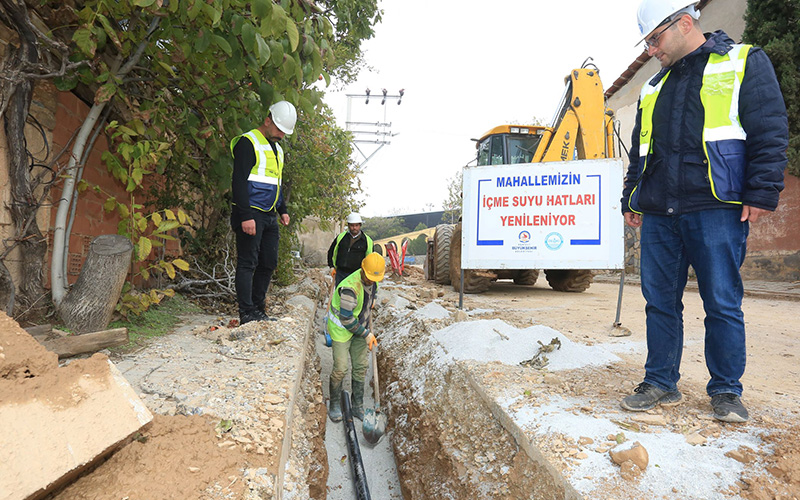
<point x="491" y="425"/>
<point x="222" y="396"/>
<point x="223" y="399"/>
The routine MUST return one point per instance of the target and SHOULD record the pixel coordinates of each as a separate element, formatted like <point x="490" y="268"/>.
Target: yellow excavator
<point x="582" y="129"/>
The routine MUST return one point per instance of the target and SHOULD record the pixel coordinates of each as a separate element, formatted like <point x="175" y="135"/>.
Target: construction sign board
<point x="556" y="215"/>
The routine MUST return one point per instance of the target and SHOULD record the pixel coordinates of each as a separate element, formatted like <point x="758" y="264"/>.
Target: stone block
<point x="58" y="421"/>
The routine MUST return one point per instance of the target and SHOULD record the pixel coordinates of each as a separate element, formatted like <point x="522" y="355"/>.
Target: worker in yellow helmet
<point x="348" y="326"/>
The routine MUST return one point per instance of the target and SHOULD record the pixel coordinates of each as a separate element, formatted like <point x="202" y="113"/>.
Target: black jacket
<point x="349" y="256"/>
<point x="676" y="178"/>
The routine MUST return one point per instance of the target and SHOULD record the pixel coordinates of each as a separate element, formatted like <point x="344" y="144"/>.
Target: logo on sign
<point x="553" y="241"/>
<point x="524" y="237"/>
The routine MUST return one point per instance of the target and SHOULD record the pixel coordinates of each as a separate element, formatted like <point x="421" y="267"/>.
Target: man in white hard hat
<point x="707" y="159"/>
<point x="349" y="248"/>
<point x="258" y="207"/>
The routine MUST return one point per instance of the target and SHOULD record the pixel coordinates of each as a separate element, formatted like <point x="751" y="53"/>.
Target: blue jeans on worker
<point x="714" y="243"/>
<point x="256" y="260"/>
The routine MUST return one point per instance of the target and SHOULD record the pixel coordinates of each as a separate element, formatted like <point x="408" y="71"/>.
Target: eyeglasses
<point x="653" y="40"/>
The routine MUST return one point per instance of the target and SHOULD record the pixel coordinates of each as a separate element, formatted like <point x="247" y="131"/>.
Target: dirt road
<point x="568" y="412"/>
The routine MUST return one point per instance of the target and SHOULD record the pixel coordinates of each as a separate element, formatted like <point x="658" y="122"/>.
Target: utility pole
<point x="378" y="133"/>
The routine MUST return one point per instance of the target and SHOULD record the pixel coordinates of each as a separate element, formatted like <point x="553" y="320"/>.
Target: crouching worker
<point x="348" y="322"/>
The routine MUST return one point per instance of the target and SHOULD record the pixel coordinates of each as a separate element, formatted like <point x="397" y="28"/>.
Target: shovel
<point x="374" y="423"/>
<point x="324" y="332"/>
<point x="617" y="330"/>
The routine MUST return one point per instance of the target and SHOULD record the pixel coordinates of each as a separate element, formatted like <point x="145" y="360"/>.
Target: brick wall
<point x="91" y="219"/>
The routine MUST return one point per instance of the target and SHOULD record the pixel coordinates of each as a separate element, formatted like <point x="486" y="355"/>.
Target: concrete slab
<point x="57" y="421"/>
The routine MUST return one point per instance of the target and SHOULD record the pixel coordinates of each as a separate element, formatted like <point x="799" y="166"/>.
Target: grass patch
<point x="157" y="320"/>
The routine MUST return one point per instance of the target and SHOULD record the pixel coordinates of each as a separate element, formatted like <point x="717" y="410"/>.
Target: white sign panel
<point x="556" y="215"/>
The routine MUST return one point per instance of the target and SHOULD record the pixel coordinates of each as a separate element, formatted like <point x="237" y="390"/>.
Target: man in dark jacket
<point x="258" y="207"/>
<point x="349" y="248"/>
<point x="707" y="159"/>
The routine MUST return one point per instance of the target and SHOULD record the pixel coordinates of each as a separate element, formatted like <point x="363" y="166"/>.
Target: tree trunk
<point x="24" y="204"/>
<point x="88" y="307"/>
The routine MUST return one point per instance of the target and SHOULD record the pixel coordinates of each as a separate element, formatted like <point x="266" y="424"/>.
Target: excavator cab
<point x="509" y="144"/>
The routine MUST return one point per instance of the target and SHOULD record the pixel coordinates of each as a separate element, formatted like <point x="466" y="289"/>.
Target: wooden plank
<point x="87" y="342"/>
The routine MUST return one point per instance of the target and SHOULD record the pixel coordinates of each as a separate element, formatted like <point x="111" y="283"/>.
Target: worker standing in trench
<point x="349" y="248"/>
<point x="348" y="321"/>
<point x="707" y="159"/>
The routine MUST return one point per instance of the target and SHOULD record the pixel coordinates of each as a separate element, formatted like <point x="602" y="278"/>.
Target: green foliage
<point x="183" y="77"/>
<point x="420" y="226"/>
<point x="418" y="246"/>
<point x="384" y="227"/>
<point x="133" y="302"/>
<point x="775" y="26"/>
<point x="147" y="232"/>
<point x="452" y="204"/>
<point x="319" y="179"/>
<point x="157" y="320"/>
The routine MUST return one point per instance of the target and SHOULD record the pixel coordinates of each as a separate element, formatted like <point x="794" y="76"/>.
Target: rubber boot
<point x="357" y="400"/>
<point x="335" y="407"/>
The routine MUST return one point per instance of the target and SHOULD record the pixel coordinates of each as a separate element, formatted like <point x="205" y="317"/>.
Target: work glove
<point x="371" y="341"/>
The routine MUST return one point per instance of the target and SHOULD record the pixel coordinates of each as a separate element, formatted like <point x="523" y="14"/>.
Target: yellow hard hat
<point x="373" y="266"/>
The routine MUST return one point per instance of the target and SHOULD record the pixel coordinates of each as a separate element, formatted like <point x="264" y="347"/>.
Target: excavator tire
<point x="441" y="249"/>
<point x="526" y="277"/>
<point x="428" y="265"/>
<point x="475" y="281"/>
<point x="569" y="280"/>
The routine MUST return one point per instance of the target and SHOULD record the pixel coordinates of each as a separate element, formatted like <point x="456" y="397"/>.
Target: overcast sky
<point x="466" y="67"/>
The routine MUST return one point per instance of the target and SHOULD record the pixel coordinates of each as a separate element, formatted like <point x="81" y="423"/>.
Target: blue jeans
<point x="714" y="243"/>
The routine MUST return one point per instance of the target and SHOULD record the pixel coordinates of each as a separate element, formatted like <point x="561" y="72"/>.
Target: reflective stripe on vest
<point x="338" y="332"/>
<point x="264" y="181"/>
<point x="339" y="240"/>
<point x="723" y="136"/>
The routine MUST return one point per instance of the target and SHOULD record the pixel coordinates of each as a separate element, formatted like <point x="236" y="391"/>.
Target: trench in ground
<point x="444" y="438"/>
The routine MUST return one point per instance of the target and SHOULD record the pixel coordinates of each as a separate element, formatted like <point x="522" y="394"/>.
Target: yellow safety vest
<point x="339" y="240"/>
<point x="338" y="332"/>
<point x="723" y="135"/>
<point x="264" y="181"/>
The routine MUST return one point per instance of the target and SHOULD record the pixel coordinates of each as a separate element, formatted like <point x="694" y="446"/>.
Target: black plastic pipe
<point x="359" y="475"/>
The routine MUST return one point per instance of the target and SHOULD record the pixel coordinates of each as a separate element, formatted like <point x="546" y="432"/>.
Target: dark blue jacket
<point x="676" y="178"/>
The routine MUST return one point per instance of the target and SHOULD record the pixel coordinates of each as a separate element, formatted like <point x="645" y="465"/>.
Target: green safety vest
<point x="339" y="240"/>
<point x="335" y="328"/>
<point x="264" y="181"/>
<point x="723" y="135"/>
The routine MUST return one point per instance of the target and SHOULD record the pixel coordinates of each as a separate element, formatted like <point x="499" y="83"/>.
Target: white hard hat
<point x="654" y="13"/>
<point x="354" y="218"/>
<point x="284" y="116"/>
